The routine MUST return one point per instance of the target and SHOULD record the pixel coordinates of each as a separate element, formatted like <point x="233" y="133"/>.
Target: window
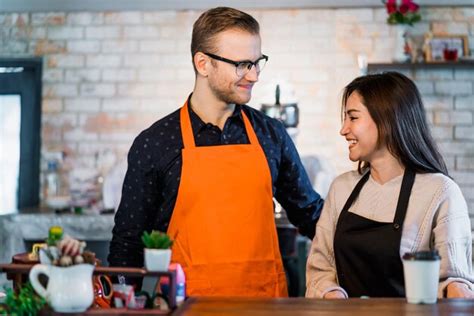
<point x="20" y="133"/>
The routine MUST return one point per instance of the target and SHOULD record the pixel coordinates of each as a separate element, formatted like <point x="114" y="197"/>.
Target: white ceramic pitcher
<point x="69" y="289"/>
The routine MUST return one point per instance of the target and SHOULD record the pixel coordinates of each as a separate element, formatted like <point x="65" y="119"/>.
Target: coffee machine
<point x="287" y="113"/>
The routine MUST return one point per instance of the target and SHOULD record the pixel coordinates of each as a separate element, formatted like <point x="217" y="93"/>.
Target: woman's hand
<point x="459" y="290"/>
<point x="70" y="246"/>
<point x="336" y="294"/>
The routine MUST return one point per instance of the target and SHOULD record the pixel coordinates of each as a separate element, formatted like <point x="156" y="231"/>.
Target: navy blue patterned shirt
<point x="154" y="168"/>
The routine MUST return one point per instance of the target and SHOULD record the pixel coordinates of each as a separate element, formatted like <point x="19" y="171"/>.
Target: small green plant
<point x="25" y="302"/>
<point x="156" y="240"/>
<point x="55" y="234"/>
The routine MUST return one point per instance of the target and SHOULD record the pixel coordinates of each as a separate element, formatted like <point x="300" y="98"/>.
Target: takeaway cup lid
<point x="422" y="255"/>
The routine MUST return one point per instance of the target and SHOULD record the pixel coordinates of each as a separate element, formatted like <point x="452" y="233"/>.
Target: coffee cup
<point x="421" y="272"/>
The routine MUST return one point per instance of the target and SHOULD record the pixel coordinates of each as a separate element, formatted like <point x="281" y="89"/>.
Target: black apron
<point x="367" y="252"/>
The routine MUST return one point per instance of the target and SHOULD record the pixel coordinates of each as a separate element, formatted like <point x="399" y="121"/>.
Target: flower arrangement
<point x="405" y="12"/>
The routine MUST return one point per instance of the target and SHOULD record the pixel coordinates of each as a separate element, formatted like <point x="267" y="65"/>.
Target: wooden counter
<point x="311" y="307"/>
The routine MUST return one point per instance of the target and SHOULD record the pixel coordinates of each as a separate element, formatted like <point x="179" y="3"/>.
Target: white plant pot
<point x="157" y="259"/>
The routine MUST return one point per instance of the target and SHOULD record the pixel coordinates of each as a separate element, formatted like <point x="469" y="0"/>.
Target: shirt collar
<point x="198" y="124"/>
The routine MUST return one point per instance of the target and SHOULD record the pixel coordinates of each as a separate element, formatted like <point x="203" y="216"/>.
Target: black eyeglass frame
<point x="238" y="63"/>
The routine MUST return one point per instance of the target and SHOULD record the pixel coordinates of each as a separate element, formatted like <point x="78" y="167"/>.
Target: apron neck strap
<point x="187" y="130"/>
<point x="405" y="192"/>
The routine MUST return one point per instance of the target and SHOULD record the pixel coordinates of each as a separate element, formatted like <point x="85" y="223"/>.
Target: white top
<point x="436" y="218"/>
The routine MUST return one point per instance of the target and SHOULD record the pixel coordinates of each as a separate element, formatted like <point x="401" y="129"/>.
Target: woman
<point x="400" y="200"/>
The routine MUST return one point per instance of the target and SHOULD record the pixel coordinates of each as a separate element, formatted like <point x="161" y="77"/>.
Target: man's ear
<point x="201" y="62"/>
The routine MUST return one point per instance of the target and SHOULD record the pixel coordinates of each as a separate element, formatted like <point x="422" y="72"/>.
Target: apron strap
<point x="355" y="192"/>
<point x="402" y="205"/>
<point x="187" y="130"/>
<point x="186" y="127"/>
<point x="249" y="129"/>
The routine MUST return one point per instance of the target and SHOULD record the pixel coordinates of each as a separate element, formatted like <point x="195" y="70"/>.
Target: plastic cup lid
<point x="422" y="255"/>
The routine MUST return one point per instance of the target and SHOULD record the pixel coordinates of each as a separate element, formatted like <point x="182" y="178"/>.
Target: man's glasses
<point x="243" y="67"/>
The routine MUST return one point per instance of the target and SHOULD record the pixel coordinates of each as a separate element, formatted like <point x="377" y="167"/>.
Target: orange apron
<point x="222" y="224"/>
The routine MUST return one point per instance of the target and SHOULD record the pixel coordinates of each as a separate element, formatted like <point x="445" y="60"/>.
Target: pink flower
<point x="410" y="6"/>
<point x="391" y="6"/>
<point x="403" y="8"/>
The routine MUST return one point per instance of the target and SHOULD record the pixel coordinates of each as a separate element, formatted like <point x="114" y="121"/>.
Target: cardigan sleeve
<point x="321" y="276"/>
<point x="451" y="236"/>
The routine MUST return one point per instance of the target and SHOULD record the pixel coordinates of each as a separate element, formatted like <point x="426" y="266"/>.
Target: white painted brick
<point x="38" y="33"/>
<point x="362" y="30"/>
<point x="55" y="18"/>
<point x="137" y="90"/>
<point x="97" y="90"/>
<point x="450" y="148"/>
<point x="442" y="132"/>
<point x="354" y="15"/>
<point x="161" y="46"/>
<point x="438" y="102"/>
<point x="53" y="75"/>
<point x="60" y="119"/>
<point x="464" y="14"/>
<point x="438" y="14"/>
<point x="54" y="90"/>
<point x="321" y="29"/>
<point x="82" y="75"/>
<point x="65" y="32"/>
<point x="450" y="28"/>
<point x="83" y="46"/>
<point x="467" y="191"/>
<point x="450" y="163"/>
<point x="45" y="47"/>
<point x="464" y="74"/>
<point x="453" y="87"/>
<point x="119" y="46"/>
<point x="425" y="86"/>
<point x="85" y="18"/>
<point x="142" y="60"/>
<point x="79" y="135"/>
<point x="185" y="74"/>
<point x="380" y="15"/>
<point x="172" y="32"/>
<point x="82" y="105"/>
<point x="120" y="105"/>
<point x="434" y="74"/>
<point x="465" y="163"/>
<point x="65" y="61"/>
<point x="355" y="45"/>
<point x="123" y="18"/>
<point x="429" y="117"/>
<point x="103" y="61"/>
<point x="139" y="32"/>
<point x="158" y="74"/>
<point x="14" y="47"/>
<point x="20" y="33"/>
<point x="454" y="117"/>
<point x="51" y="105"/>
<point x="161" y="17"/>
<point x="462" y="132"/>
<point x="119" y="137"/>
<point x="119" y="75"/>
<point x="163" y="106"/>
<point x="464" y="102"/>
<point x="103" y="32"/>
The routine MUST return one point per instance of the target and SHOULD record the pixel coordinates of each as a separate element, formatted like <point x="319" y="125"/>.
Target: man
<point x="207" y="173"/>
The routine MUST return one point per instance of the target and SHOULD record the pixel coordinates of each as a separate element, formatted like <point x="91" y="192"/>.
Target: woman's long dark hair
<point x="395" y="105"/>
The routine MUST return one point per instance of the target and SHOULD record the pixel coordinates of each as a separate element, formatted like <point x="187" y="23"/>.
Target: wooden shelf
<point x="374" y="67"/>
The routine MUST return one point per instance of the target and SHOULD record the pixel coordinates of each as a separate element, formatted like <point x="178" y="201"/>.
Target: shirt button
<point x="396" y="226"/>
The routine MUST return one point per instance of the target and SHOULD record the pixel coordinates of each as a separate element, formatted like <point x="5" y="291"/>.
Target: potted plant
<point x="157" y="250"/>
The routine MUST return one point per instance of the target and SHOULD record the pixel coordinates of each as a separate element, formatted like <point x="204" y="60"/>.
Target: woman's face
<point x="360" y="131"/>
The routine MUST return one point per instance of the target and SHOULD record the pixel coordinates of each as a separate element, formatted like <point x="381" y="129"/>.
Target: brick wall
<point x="108" y="75"/>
